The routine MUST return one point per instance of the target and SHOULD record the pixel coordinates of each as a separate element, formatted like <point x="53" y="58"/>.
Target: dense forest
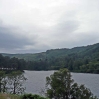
<point x="7" y="63"/>
<point x="77" y="59"/>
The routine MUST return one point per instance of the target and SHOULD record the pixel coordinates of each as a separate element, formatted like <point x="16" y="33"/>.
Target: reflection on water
<point x="37" y="80"/>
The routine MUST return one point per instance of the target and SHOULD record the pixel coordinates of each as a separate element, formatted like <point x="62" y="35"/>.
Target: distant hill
<point x="77" y="59"/>
<point x="83" y="51"/>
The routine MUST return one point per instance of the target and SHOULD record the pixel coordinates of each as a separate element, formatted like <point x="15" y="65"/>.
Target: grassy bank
<point x="25" y="96"/>
<point x="8" y="96"/>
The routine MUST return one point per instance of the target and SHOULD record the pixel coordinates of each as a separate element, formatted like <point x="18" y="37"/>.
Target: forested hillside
<point x="10" y="64"/>
<point x="77" y="59"/>
<point x="85" y="51"/>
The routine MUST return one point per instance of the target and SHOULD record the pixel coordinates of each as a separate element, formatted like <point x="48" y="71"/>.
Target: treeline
<point x="78" y="59"/>
<point x="7" y="63"/>
<point x="73" y="62"/>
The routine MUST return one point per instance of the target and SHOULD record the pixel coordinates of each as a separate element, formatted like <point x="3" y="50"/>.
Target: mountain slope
<point x="77" y="59"/>
<point x="89" y="50"/>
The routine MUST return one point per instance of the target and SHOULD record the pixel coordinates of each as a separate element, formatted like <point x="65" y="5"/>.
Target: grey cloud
<point x="80" y="39"/>
<point x="66" y="28"/>
<point x="86" y="38"/>
<point x="67" y="23"/>
<point x="63" y="32"/>
<point x="56" y="26"/>
<point x="9" y="40"/>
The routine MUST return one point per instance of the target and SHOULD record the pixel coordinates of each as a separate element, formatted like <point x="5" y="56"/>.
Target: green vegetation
<point x="85" y="51"/>
<point x="30" y="96"/>
<point x="25" y="96"/>
<point x="79" y="59"/>
<point x="10" y="64"/>
<point x="16" y="80"/>
<point x="9" y="96"/>
<point x="61" y="86"/>
<point x="12" y="82"/>
<point x="2" y="82"/>
<point x="11" y="86"/>
<point x="83" y="59"/>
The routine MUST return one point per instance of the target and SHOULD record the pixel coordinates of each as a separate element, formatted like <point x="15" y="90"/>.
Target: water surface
<point x="37" y="80"/>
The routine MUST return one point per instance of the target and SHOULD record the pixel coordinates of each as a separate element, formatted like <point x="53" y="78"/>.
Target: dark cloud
<point x="11" y="40"/>
<point x="47" y="25"/>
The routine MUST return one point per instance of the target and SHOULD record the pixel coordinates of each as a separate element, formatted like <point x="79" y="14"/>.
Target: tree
<point x="2" y="81"/>
<point x="30" y="96"/>
<point x="16" y="80"/>
<point x="60" y="86"/>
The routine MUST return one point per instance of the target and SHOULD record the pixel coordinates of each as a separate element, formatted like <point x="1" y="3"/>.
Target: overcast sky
<point x="29" y="26"/>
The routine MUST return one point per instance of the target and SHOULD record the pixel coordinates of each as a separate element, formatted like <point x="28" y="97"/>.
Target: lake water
<point x="37" y="80"/>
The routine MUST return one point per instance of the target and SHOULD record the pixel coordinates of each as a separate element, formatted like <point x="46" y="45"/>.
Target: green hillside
<point x="77" y="59"/>
<point x="84" y="51"/>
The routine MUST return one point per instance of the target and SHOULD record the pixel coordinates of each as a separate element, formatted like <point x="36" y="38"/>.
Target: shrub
<point x="30" y="96"/>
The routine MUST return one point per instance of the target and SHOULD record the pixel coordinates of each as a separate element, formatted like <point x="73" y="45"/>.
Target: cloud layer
<point x="29" y="26"/>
